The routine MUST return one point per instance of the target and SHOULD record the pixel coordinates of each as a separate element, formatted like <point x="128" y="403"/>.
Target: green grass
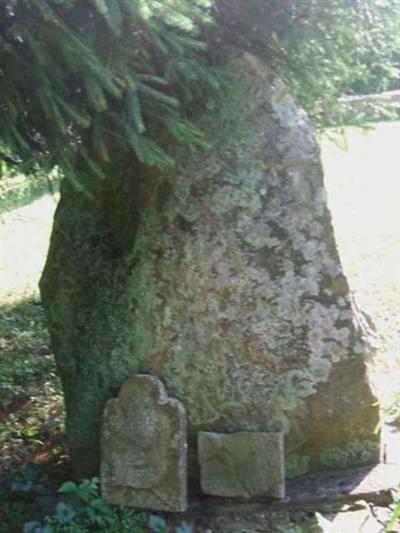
<point x="25" y="353"/>
<point x="25" y="235"/>
<point x="31" y="407"/>
<point x="363" y="185"/>
<point x="31" y="413"/>
<point x="17" y="190"/>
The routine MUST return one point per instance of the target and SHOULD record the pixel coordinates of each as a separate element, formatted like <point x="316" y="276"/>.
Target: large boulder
<point x="221" y="277"/>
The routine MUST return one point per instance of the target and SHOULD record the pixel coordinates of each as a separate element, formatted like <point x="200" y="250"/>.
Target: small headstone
<point x="242" y="465"/>
<point x="144" y="448"/>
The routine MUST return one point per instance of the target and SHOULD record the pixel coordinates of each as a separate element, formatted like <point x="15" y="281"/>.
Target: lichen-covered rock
<point x="225" y="282"/>
<point x="242" y="465"/>
<point x="143" y="448"/>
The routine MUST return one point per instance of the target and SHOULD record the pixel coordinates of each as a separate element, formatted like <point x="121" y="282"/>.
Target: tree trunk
<point x="81" y="287"/>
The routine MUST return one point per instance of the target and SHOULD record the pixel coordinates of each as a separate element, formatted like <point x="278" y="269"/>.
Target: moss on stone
<point x="355" y="453"/>
<point x="296" y="465"/>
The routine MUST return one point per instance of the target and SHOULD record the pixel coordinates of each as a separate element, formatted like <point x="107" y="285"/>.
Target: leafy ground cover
<point x="363" y="191"/>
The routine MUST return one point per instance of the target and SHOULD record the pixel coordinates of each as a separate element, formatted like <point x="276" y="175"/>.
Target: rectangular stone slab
<point x="242" y="465"/>
<point x="144" y="448"/>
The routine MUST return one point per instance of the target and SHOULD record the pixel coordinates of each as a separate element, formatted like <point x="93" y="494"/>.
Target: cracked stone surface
<point x="242" y="465"/>
<point x="144" y="448"/>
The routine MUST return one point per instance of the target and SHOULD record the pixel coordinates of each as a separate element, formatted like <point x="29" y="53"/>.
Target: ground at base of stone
<point x="359" y="517"/>
<point x="356" y="500"/>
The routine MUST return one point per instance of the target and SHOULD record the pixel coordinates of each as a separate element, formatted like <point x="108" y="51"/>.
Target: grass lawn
<point x="363" y="184"/>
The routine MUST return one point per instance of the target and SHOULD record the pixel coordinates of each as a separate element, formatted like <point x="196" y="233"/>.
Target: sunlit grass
<point x="363" y="185"/>
<point x="25" y="235"/>
<point x="31" y="410"/>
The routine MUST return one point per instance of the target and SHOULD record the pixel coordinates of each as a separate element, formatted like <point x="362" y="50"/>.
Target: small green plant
<point x="157" y="524"/>
<point x="89" y="504"/>
<point x="24" y="493"/>
<point x="395" y="516"/>
<point x="13" y="514"/>
<point x="81" y="509"/>
<point x="29" y="478"/>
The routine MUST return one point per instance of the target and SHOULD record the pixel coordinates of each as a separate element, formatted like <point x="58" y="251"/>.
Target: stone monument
<point x="144" y="448"/>
<point x="242" y="465"/>
<point x="240" y="303"/>
<point x="220" y="276"/>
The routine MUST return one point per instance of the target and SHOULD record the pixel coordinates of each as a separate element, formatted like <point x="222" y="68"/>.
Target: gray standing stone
<point x="144" y="448"/>
<point x="242" y="465"/>
<point x="240" y="303"/>
<point x="226" y="283"/>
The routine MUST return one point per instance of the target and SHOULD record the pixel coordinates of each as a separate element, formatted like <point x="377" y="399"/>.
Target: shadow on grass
<point x="31" y="415"/>
<point x="31" y="411"/>
<point x="25" y="354"/>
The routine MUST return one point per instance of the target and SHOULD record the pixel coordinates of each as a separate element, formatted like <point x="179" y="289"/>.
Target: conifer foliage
<point x="88" y="83"/>
<point x="81" y="79"/>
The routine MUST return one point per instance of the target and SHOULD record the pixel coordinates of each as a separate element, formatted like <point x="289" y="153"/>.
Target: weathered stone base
<point x="242" y="465"/>
<point x="313" y="491"/>
<point x="144" y="448"/>
<point x="325" y="492"/>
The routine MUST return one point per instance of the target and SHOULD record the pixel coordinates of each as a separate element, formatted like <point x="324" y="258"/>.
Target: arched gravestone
<point x="144" y="448"/>
<point x="240" y="303"/>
